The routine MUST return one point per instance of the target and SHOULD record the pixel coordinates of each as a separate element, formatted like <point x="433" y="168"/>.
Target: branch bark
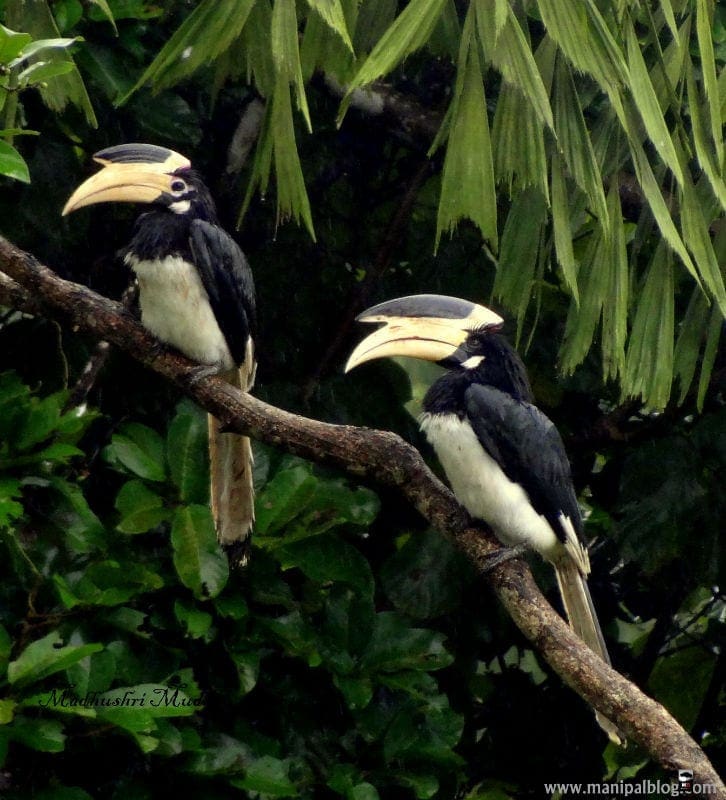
<point x="383" y="457"/>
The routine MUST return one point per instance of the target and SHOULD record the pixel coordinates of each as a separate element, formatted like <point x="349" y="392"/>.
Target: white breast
<point x="483" y="489"/>
<point x="175" y="308"/>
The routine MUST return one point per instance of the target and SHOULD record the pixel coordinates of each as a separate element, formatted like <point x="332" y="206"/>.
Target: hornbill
<point x="196" y="293"/>
<point x="503" y="457"/>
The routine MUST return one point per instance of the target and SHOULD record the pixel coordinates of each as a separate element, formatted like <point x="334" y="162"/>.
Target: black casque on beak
<point x="428" y="326"/>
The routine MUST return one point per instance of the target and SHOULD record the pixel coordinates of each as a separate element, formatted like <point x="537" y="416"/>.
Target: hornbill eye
<point x="178" y="186"/>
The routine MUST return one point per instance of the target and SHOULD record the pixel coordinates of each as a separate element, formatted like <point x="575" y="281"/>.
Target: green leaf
<point x="615" y="299"/>
<point x="282" y="498"/>
<point x="106" y="10"/>
<point x="6" y="645"/>
<point x="138" y="449"/>
<point x="67" y="14"/>
<point x="683" y="699"/>
<point x="573" y="141"/>
<point x="7" y="710"/>
<point x="329" y="558"/>
<point x="45" y="657"/>
<point x="374" y="18"/>
<point x="167" y="116"/>
<point x="286" y="53"/>
<point x="704" y="28"/>
<point x="648" y="106"/>
<point x="71" y="513"/>
<point x="511" y="54"/>
<point x="186" y="452"/>
<point x="12" y="43"/>
<point x="41" y="71"/>
<point x="95" y="673"/>
<point x="45" y="735"/>
<point x="394" y="646"/>
<point x="518" y="145"/>
<point x="141" y="509"/>
<point x="704" y="148"/>
<point x="107" y="69"/>
<point x="657" y="204"/>
<point x="649" y="364"/>
<point x="710" y="351"/>
<point x="603" y="292"/>
<point x="690" y="339"/>
<point x="39" y="46"/>
<point x="42" y="418"/>
<point x="295" y="635"/>
<point x="196" y="622"/>
<point x="12" y="164"/>
<point x="198" y="559"/>
<point x="106" y="583"/>
<point x="426" y="577"/>
<point x="331" y="11"/>
<point x="203" y="36"/>
<point x="579" y="29"/>
<point x="410" y="31"/>
<point x="467" y="183"/>
<point x="37" y="20"/>
<point x="363" y="791"/>
<point x="427" y="738"/>
<point x="247" y="663"/>
<point x="277" y="143"/>
<point x="347" y="627"/>
<point x="697" y="238"/>
<point x="269" y="776"/>
<point x="10" y="510"/>
<point x="561" y="229"/>
<point x="317" y="504"/>
<point x="357" y="690"/>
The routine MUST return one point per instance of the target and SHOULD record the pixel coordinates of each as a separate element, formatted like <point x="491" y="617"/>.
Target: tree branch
<point x="386" y="458"/>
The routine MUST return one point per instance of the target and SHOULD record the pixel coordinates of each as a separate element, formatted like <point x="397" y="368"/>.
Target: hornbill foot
<point x="501" y="556"/>
<point x="238" y="553"/>
<point x="201" y="372"/>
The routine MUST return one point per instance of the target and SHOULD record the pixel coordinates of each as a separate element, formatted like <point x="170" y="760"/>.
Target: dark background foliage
<point x="356" y="656"/>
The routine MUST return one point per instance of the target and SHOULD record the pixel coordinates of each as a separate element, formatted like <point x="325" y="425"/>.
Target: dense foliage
<point x="357" y="656"/>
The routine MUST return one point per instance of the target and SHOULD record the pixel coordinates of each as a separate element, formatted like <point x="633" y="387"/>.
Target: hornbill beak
<point x="428" y="326"/>
<point x="132" y="173"/>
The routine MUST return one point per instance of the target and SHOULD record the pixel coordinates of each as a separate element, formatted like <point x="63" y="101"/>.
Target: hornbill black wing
<point x="227" y="277"/>
<point x="528" y="448"/>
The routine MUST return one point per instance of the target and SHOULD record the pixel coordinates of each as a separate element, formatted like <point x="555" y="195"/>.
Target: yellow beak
<point x="132" y="173"/>
<point x="129" y="183"/>
<point x="430" y="327"/>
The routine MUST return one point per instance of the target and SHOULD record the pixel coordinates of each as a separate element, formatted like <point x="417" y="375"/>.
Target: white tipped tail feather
<point x="583" y="620"/>
<point x="232" y="493"/>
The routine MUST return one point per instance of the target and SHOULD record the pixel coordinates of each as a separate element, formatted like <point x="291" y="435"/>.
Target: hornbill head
<point x="453" y="332"/>
<point x="144" y="173"/>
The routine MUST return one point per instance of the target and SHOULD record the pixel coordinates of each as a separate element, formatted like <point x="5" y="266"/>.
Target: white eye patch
<point x="472" y="362"/>
<point x="180" y="206"/>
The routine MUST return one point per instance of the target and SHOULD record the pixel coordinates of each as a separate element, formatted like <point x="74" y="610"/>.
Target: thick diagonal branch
<point x="385" y="458"/>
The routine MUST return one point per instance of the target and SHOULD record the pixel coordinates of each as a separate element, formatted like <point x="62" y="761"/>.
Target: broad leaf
<point x="141" y="509"/>
<point x="45" y="657"/>
<point x="186" y="452"/>
<point x="198" y="559"/>
<point x="12" y="164"/>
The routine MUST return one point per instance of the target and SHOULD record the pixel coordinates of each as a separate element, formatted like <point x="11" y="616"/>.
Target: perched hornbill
<point x="504" y="458"/>
<point x="196" y="293"/>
